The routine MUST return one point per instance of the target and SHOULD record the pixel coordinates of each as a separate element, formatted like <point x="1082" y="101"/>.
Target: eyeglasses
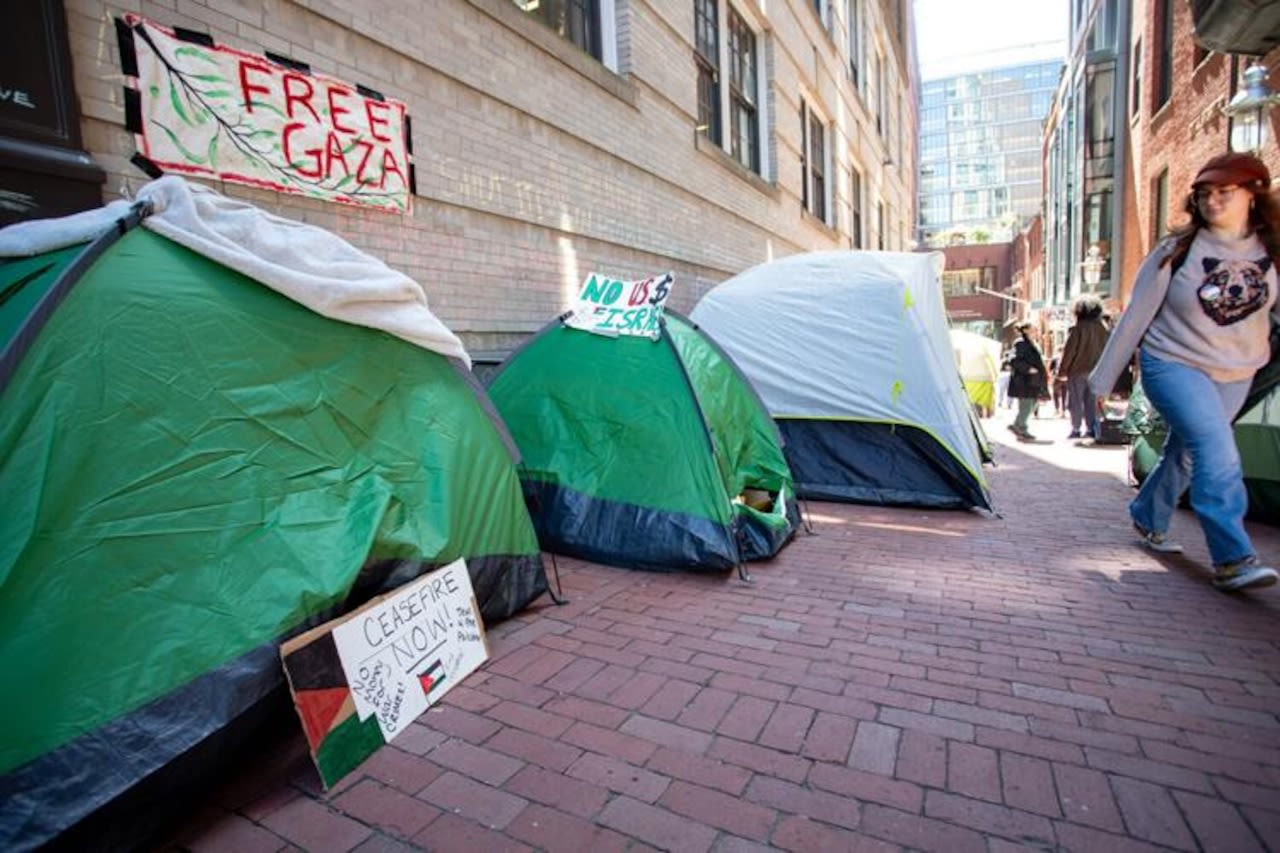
<point x="1215" y="193"/>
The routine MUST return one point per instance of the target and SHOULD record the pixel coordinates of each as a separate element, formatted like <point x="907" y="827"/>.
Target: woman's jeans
<point x="1083" y="405"/>
<point x="1200" y="449"/>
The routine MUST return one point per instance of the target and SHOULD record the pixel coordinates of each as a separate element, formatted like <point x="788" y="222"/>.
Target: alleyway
<point x="900" y="680"/>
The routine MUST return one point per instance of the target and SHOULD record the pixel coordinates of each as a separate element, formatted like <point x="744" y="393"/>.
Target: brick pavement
<point x="903" y="679"/>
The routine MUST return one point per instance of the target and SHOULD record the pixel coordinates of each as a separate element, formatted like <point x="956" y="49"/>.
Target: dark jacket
<point x="1084" y="346"/>
<point x="1022" y="382"/>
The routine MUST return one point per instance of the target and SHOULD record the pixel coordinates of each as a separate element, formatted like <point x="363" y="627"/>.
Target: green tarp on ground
<point x="195" y="467"/>
<point x="1257" y="432"/>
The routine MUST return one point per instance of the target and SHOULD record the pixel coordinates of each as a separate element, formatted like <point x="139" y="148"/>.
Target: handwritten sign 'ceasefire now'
<point x="408" y="650"/>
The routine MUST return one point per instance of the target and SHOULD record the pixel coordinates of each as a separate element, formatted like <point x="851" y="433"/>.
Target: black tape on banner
<point x="293" y="64"/>
<point x="371" y="94"/>
<point x="132" y="110"/>
<point x="203" y="39"/>
<point x="413" y="179"/>
<point x="408" y="134"/>
<point x="146" y="165"/>
<point x="128" y="54"/>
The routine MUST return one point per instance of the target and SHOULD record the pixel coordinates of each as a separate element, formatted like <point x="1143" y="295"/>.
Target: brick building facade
<point x="1138" y="111"/>
<point x="538" y="161"/>
<point x="972" y="278"/>
<point x="1176" y="121"/>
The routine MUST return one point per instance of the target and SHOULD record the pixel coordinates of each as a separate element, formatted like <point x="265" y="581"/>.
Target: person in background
<point x="1059" y="385"/>
<point x="1027" y="380"/>
<point x="1199" y="318"/>
<point x="1080" y="354"/>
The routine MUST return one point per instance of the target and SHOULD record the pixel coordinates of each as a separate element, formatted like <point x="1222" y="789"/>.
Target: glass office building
<point x="980" y="152"/>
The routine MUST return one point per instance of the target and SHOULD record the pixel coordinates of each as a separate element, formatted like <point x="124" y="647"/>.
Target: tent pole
<point x="804" y="516"/>
<point x="557" y="594"/>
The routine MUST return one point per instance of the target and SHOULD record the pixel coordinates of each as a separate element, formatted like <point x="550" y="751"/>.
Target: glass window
<point x="1136" y="86"/>
<point x="855" y="40"/>
<point x="743" y="119"/>
<point x="706" y="55"/>
<point x="855" y="199"/>
<point x="1160" y="206"/>
<point x="817" y="167"/>
<point x="1164" y="58"/>
<point x="576" y="20"/>
<point x="1102" y="35"/>
<point x="881" y="96"/>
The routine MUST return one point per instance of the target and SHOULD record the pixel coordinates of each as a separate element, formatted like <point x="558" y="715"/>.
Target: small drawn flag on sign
<point x="431" y="677"/>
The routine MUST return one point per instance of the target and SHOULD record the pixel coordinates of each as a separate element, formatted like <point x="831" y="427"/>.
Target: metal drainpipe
<point x="1120" y="185"/>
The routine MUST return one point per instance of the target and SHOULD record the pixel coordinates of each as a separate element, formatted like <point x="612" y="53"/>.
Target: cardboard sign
<point x="217" y="112"/>
<point x="358" y="681"/>
<point x="610" y="307"/>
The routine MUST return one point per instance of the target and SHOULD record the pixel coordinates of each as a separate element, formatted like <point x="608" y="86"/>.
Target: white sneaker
<point x="1246" y="574"/>
<point x="1157" y="542"/>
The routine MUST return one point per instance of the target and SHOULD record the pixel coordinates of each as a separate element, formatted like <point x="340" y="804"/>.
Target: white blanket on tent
<point x="310" y="265"/>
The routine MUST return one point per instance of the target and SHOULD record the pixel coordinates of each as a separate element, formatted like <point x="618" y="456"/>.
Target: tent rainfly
<point x="850" y="353"/>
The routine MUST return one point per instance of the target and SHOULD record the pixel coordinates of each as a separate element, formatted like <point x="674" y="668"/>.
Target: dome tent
<point x="197" y="466"/>
<point x="645" y="454"/>
<point x="850" y="353"/>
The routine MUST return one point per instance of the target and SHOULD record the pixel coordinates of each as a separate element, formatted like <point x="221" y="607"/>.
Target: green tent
<point x="194" y="468"/>
<point x="647" y="454"/>
<point x="1257" y="431"/>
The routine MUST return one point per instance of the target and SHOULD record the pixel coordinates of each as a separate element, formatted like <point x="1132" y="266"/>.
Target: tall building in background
<point x="980" y="152"/>
<point x="1086" y="156"/>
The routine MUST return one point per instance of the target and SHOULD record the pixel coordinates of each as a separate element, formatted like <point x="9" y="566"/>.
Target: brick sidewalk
<point x="903" y="679"/>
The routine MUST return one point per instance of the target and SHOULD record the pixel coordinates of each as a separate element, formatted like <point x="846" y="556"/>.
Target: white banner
<point x="221" y="113"/>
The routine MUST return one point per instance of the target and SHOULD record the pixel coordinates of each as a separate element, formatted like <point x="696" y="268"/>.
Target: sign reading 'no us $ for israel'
<point x="610" y="307"/>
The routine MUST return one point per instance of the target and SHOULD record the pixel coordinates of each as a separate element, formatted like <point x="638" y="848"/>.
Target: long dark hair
<point x="1264" y="220"/>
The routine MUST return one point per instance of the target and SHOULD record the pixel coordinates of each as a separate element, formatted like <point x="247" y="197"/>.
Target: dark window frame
<point x="855" y="41"/>
<point x="576" y="21"/>
<point x="1160" y="205"/>
<point x="1162" y="91"/>
<point x="855" y="213"/>
<point x="1135" y="86"/>
<point x="706" y="54"/>
<point x="744" y="114"/>
<point x="818" y="166"/>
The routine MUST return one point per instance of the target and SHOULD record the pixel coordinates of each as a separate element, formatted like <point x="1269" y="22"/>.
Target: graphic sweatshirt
<point x="1215" y="316"/>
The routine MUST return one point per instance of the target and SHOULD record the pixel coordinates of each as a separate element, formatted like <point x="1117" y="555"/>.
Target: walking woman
<point x="1027" y="381"/>
<point x="1199" y="318"/>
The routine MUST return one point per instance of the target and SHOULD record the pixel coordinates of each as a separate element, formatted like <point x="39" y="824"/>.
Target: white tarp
<point x="308" y="264"/>
<point x="847" y="336"/>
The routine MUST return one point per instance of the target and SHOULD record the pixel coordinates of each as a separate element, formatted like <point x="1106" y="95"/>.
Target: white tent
<point x="851" y="355"/>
